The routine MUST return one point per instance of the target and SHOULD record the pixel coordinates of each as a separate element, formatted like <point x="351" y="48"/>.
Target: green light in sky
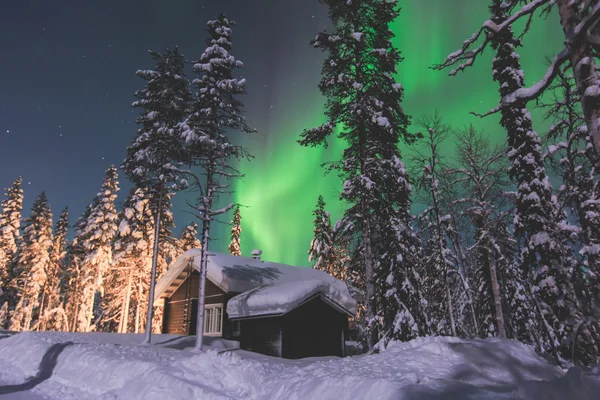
<point x="284" y="180"/>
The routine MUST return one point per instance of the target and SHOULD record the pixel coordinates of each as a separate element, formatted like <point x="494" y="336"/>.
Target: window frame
<point x="212" y="317"/>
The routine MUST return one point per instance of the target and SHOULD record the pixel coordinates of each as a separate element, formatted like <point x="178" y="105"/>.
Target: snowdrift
<point x="111" y="366"/>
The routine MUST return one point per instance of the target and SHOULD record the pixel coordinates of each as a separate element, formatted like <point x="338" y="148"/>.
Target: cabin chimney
<point x="256" y="253"/>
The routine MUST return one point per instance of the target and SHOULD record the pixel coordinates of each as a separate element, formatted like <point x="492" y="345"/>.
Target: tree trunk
<point x="153" y="272"/>
<point x="496" y="292"/>
<point x="461" y="257"/>
<point x="207" y="204"/>
<point x="584" y="68"/>
<point x="124" y="322"/>
<point x="138" y="307"/>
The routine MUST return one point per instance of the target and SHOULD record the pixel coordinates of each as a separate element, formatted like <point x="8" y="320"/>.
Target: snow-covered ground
<point x="36" y="365"/>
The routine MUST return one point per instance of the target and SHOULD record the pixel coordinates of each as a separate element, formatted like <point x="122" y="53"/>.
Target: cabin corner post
<point x="153" y="272"/>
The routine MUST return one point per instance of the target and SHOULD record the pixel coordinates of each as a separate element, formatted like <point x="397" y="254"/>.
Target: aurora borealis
<point x="67" y="114"/>
<point x="286" y="179"/>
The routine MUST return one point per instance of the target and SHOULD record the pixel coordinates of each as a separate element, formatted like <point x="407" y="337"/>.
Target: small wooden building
<point x="270" y="308"/>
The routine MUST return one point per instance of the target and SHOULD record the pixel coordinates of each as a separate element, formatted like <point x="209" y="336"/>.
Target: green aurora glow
<point x="284" y="180"/>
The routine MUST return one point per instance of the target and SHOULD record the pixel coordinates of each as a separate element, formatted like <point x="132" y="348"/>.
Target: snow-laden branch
<point x="526" y="10"/>
<point x="464" y="54"/>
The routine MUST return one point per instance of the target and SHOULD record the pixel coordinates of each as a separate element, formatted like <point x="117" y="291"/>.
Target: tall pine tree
<point x="10" y="221"/>
<point x="52" y="311"/>
<point x="364" y="102"/>
<point x="215" y="112"/>
<point x="544" y="260"/>
<point x="97" y="237"/>
<point x="32" y="264"/>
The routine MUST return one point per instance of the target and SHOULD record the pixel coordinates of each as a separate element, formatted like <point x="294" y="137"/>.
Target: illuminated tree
<point x="72" y="276"/>
<point x="96" y="240"/>
<point x="188" y="239"/>
<point x="32" y="263"/>
<point x="10" y="221"/>
<point x="236" y="230"/>
<point x="52" y="314"/>
<point x="364" y="103"/>
<point x="214" y="113"/>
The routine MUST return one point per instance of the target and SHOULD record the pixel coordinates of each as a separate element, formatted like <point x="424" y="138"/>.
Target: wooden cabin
<point x="273" y="309"/>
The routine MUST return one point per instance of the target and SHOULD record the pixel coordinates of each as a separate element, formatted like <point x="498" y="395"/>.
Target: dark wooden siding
<point x="262" y="335"/>
<point x="314" y="329"/>
<point x="181" y="312"/>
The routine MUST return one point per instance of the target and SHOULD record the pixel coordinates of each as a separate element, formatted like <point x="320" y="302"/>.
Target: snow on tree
<point x="438" y="260"/>
<point x="579" y="22"/>
<point x="71" y="280"/>
<point x="32" y="263"/>
<point x="52" y="314"/>
<point x="215" y="112"/>
<point x="188" y="239"/>
<point x="10" y="221"/>
<point x="97" y="237"/>
<point x="153" y="159"/>
<point x="154" y="153"/>
<point x="128" y="279"/>
<point x="131" y="261"/>
<point x="236" y="230"/>
<point x="480" y="174"/>
<point x="543" y="256"/>
<point x="364" y="102"/>
<point x="572" y="156"/>
<point x="327" y="255"/>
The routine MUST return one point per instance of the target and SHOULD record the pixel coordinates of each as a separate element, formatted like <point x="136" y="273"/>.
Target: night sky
<point x="67" y="79"/>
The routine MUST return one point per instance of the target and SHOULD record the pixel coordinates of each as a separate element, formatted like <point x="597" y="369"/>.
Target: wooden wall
<point x="175" y="320"/>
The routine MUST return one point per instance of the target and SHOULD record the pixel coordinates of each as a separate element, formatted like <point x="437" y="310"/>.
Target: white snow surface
<point x="236" y="274"/>
<point x="281" y="298"/>
<point x="70" y="366"/>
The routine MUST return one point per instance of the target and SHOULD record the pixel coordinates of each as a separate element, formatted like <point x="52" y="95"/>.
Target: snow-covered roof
<point x="281" y="298"/>
<point x="278" y="288"/>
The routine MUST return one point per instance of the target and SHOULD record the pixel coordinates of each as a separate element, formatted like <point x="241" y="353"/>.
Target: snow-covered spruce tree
<point x="128" y="281"/>
<point x="154" y="153"/>
<point x="97" y="237"/>
<point x="571" y="155"/>
<point x="71" y="280"/>
<point x="543" y="256"/>
<point x="365" y="102"/>
<point x="236" y="230"/>
<point x="52" y="314"/>
<point x="323" y="250"/>
<point x="10" y="221"/>
<point x="32" y="263"/>
<point x="153" y="159"/>
<point x="131" y="255"/>
<point x="188" y="239"/>
<point x="214" y="113"/>
<point x="480" y="172"/>
<point x="438" y="259"/>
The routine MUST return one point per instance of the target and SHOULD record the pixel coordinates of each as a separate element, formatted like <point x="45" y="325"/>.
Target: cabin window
<point x="213" y="319"/>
